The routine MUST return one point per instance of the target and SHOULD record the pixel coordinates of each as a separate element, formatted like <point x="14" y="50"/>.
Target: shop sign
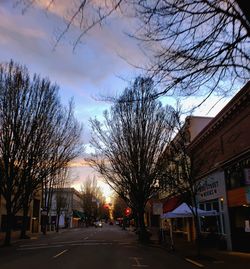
<point x="211" y="188"/>
<point x="157" y="209"/>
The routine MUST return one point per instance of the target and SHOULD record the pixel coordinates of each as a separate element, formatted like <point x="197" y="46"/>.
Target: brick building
<point x="221" y="160"/>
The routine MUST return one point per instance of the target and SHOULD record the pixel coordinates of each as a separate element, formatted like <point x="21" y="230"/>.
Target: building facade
<point x="66" y="202"/>
<point x="221" y="160"/>
<point x="33" y="217"/>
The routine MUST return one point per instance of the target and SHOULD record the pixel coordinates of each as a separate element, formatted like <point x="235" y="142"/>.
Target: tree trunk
<point x="25" y="221"/>
<point x="197" y="229"/>
<point x="142" y="232"/>
<point x="57" y="222"/>
<point x="44" y="224"/>
<point x="198" y="236"/>
<point x="9" y="224"/>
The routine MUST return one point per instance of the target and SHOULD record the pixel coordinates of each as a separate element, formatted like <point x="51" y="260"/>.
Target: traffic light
<point x="127" y="211"/>
<point x="106" y="206"/>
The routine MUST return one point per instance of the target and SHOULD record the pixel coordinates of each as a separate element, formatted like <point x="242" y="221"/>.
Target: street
<point x="95" y="248"/>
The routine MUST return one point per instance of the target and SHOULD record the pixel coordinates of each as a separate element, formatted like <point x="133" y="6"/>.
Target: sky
<point x="99" y="66"/>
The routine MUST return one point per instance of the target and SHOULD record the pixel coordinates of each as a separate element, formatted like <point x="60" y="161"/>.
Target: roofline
<point x="241" y="96"/>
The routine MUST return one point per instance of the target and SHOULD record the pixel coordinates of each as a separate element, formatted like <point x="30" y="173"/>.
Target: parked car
<point x="98" y="224"/>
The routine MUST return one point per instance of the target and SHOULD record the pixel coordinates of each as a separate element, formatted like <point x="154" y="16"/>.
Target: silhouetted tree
<point x="199" y="45"/>
<point x="92" y="200"/>
<point x="61" y="197"/>
<point x="119" y="207"/>
<point x="130" y="145"/>
<point x="37" y="138"/>
<point x="181" y="175"/>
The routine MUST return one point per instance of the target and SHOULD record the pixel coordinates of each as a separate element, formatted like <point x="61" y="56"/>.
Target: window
<point x="235" y="176"/>
<point x="208" y="206"/>
<point x="216" y="206"/>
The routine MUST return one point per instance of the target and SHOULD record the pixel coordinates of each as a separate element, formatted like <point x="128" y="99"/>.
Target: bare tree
<point x="119" y="207"/>
<point x="35" y="138"/>
<point x="199" y="45"/>
<point x="92" y="200"/>
<point x="64" y="145"/>
<point x="130" y="146"/>
<point x="181" y="179"/>
<point x="61" y="197"/>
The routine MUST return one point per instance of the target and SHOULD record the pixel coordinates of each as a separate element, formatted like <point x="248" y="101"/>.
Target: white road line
<point x="41" y="247"/>
<point x="60" y="253"/>
<point x="31" y="245"/>
<point x="138" y="264"/>
<point x="90" y="244"/>
<point x="67" y="242"/>
<point x="195" y="263"/>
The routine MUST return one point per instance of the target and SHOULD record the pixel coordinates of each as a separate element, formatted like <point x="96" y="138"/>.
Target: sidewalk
<point x="15" y="235"/>
<point x="210" y="257"/>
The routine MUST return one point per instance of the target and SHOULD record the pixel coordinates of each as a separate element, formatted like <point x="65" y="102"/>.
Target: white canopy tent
<point x="184" y="211"/>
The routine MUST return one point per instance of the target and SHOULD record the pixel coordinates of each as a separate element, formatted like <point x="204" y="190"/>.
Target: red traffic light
<point x="127" y="211"/>
<point x="106" y="206"/>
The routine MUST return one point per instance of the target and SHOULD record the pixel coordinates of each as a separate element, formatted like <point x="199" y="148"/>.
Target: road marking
<point x="86" y="238"/>
<point x="30" y="245"/>
<point x="41" y="247"/>
<point x="195" y="263"/>
<point x="90" y="244"/>
<point x="138" y="264"/>
<point x="60" y="253"/>
<point x="67" y="242"/>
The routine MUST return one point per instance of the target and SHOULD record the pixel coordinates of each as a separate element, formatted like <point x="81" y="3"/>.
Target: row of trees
<point x="93" y="201"/>
<point x="38" y="138"/>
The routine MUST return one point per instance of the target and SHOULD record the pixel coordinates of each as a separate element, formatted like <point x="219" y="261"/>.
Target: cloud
<point x="88" y="73"/>
<point x="30" y="39"/>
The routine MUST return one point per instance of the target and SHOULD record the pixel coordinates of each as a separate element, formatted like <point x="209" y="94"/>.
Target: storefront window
<point x="208" y="206"/>
<point x="202" y="207"/>
<point x="209" y="224"/>
<point x="216" y="206"/>
<point x="235" y="176"/>
<point x="212" y="224"/>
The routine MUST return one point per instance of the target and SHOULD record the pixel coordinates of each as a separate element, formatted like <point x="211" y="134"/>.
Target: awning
<point x="184" y="211"/>
<point x="171" y="204"/>
<point x="78" y="214"/>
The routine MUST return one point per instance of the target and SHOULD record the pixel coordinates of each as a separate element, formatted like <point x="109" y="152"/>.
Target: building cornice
<point x="240" y="100"/>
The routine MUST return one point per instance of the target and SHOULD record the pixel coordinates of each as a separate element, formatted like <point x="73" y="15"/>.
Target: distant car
<point x="98" y="224"/>
<point x="111" y="223"/>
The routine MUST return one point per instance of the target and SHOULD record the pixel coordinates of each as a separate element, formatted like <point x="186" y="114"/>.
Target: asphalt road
<point x="88" y="248"/>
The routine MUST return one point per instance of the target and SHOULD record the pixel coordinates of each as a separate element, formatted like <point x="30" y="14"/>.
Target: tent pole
<point x="171" y="236"/>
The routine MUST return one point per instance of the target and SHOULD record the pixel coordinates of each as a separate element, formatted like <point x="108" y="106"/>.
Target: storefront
<point x="212" y="196"/>
<point x="238" y="185"/>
